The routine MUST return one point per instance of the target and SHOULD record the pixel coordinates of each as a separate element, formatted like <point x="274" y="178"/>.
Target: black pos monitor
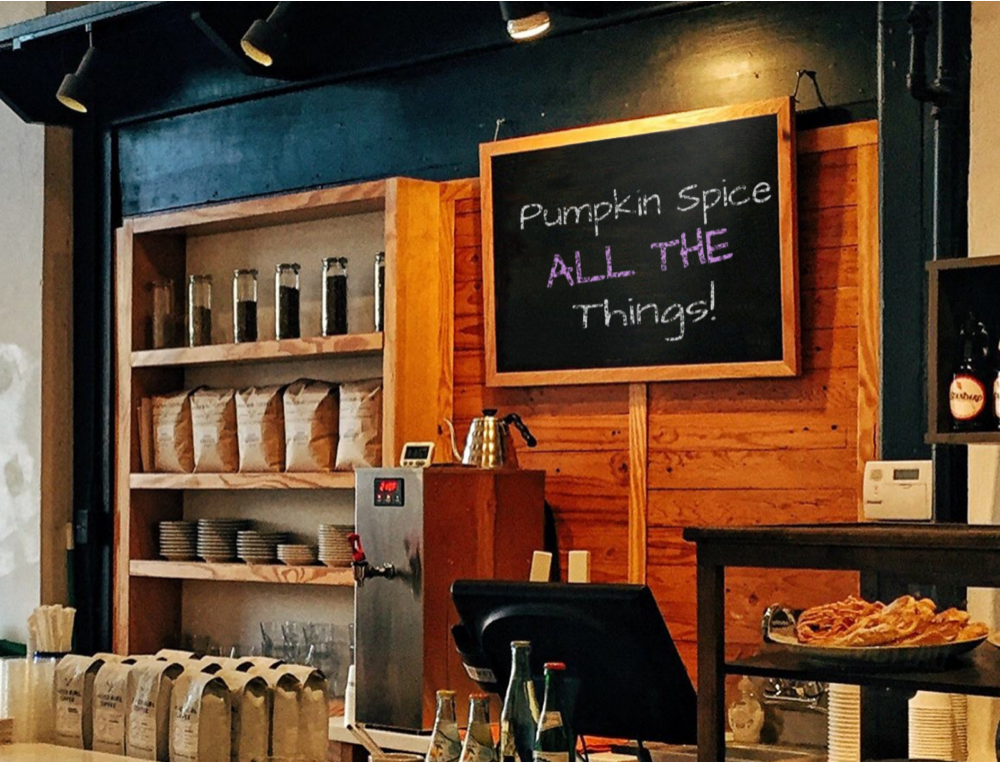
<point x="612" y="638"/>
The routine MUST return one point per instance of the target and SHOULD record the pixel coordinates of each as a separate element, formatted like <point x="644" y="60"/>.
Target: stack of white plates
<point x="938" y="727"/>
<point x="217" y="539"/>
<point x="334" y="547"/>
<point x="844" y="728"/>
<point x="296" y="555"/>
<point x="256" y="547"/>
<point x="178" y="540"/>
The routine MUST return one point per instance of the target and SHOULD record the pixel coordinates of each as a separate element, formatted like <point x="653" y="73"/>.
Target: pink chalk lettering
<point x="710" y="249"/>
<point x="559" y="269"/>
<point x="580" y="277"/>
<point x="611" y="272"/>
<point x="663" y="251"/>
<point x="698" y="248"/>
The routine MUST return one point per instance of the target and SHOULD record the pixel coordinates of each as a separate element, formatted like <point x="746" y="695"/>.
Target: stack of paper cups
<point x="938" y="727"/>
<point x="844" y="723"/>
<point x="14" y="694"/>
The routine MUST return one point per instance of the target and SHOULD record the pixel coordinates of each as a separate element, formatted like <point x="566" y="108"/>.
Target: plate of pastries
<point x="909" y="632"/>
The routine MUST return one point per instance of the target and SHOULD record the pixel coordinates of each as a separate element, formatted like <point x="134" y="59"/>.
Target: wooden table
<point x="942" y="553"/>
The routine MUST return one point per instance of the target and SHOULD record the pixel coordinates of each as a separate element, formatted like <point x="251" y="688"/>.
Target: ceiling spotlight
<point x="77" y="89"/>
<point x="526" y="21"/>
<point x="269" y="39"/>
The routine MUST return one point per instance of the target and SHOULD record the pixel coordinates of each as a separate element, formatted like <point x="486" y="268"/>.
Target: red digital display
<point x="389" y="492"/>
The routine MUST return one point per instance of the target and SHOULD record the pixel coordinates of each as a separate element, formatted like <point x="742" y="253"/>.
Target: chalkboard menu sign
<point x="655" y="249"/>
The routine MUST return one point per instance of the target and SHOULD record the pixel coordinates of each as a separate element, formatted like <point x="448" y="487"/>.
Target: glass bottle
<point x="164" y="318"/>
<point x="967" y="393"/>
<point x="244" y="305"/>
<point x="286" y="300"/>
<point x="555" y="741"/>
<point x="199" y="310"/>
<point x="445" y="743"/>
<point x="519" y="718"/>
<point x="380" y="291"/>
<point x="334" y="296"/>
<point x="479" y="746"/>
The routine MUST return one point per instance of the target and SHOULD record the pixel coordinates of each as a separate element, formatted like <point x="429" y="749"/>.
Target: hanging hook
<point x="496" y="132"/>
<point x="812" y="76"/>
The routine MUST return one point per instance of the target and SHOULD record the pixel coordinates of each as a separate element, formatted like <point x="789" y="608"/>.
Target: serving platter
<point x="778" y="628"/>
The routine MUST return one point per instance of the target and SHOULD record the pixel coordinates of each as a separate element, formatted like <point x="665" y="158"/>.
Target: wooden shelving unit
<point x="956" y="287"/>
<point x="404" y="218"/>
<point x="287" y="350"/>
<point x="236" y="572"/>
<point x="334" y="480"/>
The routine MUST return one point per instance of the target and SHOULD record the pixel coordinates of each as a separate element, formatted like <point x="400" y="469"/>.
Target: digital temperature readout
<point x="389" y="492"/>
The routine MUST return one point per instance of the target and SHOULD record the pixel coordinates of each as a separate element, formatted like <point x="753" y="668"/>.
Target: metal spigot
<point x="359" y="563"/>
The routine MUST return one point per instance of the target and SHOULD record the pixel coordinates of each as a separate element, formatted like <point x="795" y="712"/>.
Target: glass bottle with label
<point x="519" y="719"/>
<point x="479" y="746"/>
<point x="967" y="393"/>
<point x="446" y="746"/>
<point x="555" y="741"/>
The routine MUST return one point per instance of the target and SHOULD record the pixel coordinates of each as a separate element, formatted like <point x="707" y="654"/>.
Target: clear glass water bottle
<point x="199" y="310"/>
<point x="555" y="741"/>
<point x="244" y="305"/>
<point x="380" y="291"/>
<point x="478" y="745"/>
<point x="334" y="296"/>
<point x="286" y="301"/>
<point x="519" y="719"/>
<point x="164" y="316"/>
<point x="445" y="746"/>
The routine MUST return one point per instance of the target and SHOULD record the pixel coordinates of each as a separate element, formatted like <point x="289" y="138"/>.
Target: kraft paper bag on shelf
<point x="74" y="700"/>
<point x="251" y="728"/>
<point x="200" y="719"/>
<point x="173" y="446"/>
<point x="260" y="427"/>
<point x="215" y="664"/>
<point x="360" y="444"/>
<point x="314" y="710"/>
<point x="172" y="654"/>
<point x="311" y="423"/>
<point x="111" y="706"/>
<point x="258" y="663"/>
<point x="150" y="686"/>
<point x="213" y="427"/>
<point x="283" y="694"/>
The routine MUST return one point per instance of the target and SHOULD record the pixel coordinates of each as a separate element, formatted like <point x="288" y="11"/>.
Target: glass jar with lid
<point x="245" y="305"/>
<point x="164" y="318"/>
<point x="286" y="301"/>
<point x="334" y="296"/>
<point x="199" y="310"/>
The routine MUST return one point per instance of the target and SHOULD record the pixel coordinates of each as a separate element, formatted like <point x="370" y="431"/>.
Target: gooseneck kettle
<point x="489" y="443"/>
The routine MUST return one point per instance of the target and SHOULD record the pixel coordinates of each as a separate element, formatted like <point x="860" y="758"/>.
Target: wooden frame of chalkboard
<point x="595" y="228"/>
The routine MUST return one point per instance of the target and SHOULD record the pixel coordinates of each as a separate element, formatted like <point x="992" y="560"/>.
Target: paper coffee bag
<point x="360" y="430"/>
<point x="74" y="700"/>
<point x="251" y="726"/>
<point x="111" y="706"/>
<point x="150" y="684"/>
<point x="173" y="447"/>
<point x="284" y="691"/>
<point x="314" y="711"/>
<point x="200" y="718"/>
<point x="260" y="427"/>
<point x="213" y="427"/>
<point x="311" y="422"/>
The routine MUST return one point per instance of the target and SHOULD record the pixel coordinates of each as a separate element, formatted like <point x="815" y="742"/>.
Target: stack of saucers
<point x="296" y="555"/>
<point x="178" y="540"/>
<point x="256" y="547"/>
<point x="217" y="539"/>
<point x="334" y="547"/>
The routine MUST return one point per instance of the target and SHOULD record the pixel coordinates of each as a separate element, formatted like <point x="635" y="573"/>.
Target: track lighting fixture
<point x="77" y="89"/>
<point x="267" y="40"/>
<point x="526" y="21"/>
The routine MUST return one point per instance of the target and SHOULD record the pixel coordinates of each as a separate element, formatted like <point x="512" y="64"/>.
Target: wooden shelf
<point x="975" y="675"/>
<point x="966" y="438"/>
<point x="332" y="480"/>
<point x="241" y="572"/>
<point x="350" y="345"/>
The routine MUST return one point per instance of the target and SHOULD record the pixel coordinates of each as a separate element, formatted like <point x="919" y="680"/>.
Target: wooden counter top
<point x="881" y="535"/>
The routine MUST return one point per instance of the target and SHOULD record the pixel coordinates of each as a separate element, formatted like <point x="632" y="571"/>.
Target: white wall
<point x="984" y="240"/>
<point x="33" y="221"/>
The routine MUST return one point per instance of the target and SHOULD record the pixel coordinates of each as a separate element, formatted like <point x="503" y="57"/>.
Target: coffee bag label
<point x="966" y="398"/>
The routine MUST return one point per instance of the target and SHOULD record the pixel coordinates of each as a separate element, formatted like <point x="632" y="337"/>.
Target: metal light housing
<point x="526" y="21"/>
<point x="77" y="89"/>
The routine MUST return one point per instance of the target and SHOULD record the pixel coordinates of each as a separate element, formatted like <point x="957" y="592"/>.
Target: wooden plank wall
<point x="629" y="466"/>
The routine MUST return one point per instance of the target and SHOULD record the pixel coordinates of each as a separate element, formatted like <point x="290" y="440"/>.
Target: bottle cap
<point x="446" y="694"/>
<point x="555" y="665"/>
<point x="479" y="696"/>
<point x="520" y="644"/>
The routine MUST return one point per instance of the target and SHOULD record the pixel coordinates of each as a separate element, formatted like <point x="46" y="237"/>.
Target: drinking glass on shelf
<point x="272" y="639"/>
